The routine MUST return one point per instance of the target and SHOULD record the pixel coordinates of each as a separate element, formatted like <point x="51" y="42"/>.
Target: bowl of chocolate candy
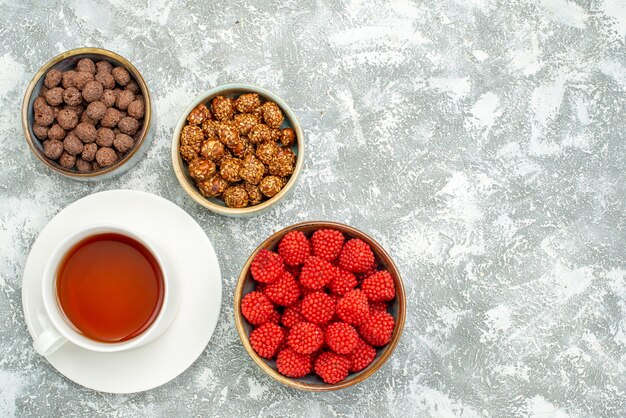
<point x="86" y="114"/>
<point x="238" y="150"/>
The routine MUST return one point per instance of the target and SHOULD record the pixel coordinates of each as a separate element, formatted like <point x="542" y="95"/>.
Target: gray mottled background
<point x="481" y="141"/>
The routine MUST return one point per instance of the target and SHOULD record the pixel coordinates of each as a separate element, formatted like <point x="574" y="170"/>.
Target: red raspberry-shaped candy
<point x="316" y="273"/>
<point x="284" y="292"/>
<point x="353" y="307"/>
<point x="340" y="337"/>
<point x="361" y="357"/>
<point x="343" y="282"/>
<point x="294" y="248"/>
<point x="318" y="307"/>
<point x="305" y="337"/>
<point x="377" y="329"/>
<point x="267" y="266"/>
<point x="266" y="339"/>
<point x="356" y="256"/>
<point x="292" y="364"/>
<point x="332" y="367"/>
<point x="327" y="243"/>
<point x="379" y="287"/>
<point x="292" y="315"/>
<point x="256" y="308"/>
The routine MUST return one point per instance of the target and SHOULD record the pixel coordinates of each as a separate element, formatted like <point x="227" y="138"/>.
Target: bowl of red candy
<point x="320" y="306"/>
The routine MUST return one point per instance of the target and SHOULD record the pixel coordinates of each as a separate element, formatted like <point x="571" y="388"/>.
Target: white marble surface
<point x="480" y="141"/>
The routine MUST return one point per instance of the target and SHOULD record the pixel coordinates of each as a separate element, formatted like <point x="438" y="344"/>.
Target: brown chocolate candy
<point x="83" y="166"/>
<point x="89" y="152"/>
<point x="86" y="132"/>
<point x="44" y="116"/>
<point x="106" y="156"/>
<point x="72" y="96"/>
<point x="92" y="91"/>
<point x="104" y="67"/>
<point x="128" y="125"/>
<point x="56" y="132"/>
<point x="86" y="65"/>
<point x="52" y="149"/>
<point x="53" y="78"/>
<point x="123" y="143"/>
<point x="111" y="117"/>
<point x="104" y="137"/>
<point x="67" y="118"/>
<point x="40" y="132"/>
<point x="124" y="98"/>
<point x="67" y="160"/>
<point x="108" y="97"/>
<point x="54" y="96"/>
<point x="96" y="110"/>
<point x="121" y="76"/>
<point x="72" y="145"/>
<point x="106" y="79"/>
<point x="68" y="79"/>
<point x="136" y="109"/>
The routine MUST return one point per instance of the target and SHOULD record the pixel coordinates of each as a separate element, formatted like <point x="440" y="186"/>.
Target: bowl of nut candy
<point x="238" y="150"/>
<point x="86" y="114"/>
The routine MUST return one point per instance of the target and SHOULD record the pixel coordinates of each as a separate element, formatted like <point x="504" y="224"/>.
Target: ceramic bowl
<point x="397" y="308"/>
<point x="66" y="61"/>
<point x="216" y="204"/>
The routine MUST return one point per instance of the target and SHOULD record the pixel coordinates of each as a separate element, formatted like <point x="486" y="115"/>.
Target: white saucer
<point x="187" y="253"/>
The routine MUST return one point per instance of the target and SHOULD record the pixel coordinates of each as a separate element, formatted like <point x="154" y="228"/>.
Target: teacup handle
<point x="49" y="341"/>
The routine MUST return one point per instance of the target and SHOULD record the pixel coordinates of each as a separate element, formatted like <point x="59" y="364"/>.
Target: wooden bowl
<point x="313" y="383"/>
<point x="65" y="61"/>
<point x="215" y="204"/>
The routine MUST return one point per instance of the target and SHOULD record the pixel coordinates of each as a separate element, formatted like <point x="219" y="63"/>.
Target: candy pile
<point x="89" y="117"/>
<point x="237" y="151"/>
<point x="320" y="305"/>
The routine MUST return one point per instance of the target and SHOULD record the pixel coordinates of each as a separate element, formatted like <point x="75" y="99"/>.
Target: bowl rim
<point x="192" y="190"/>
<point x="42" y="72"/>
<point x="380" y="252"/>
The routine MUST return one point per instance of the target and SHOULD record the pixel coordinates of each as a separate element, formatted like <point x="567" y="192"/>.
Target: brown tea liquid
<point x="110" y="287"/>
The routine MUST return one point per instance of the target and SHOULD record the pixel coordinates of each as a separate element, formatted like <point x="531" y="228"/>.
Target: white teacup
<point x="58" y="330"/>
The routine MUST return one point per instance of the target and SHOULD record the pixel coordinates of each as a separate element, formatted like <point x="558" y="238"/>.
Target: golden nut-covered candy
<point x="272" y="115"/>
<point x="275" y="134"/>
<point x="236" y="196"/>
<point x="252" y="169"/>
<point x="222" y="108"/>
<point x="213" y="186"/>
<point x="188" y="153"/>
<point x="260" y="133"/>
<point x="243" y="148"/>
<point x="266" y="151"/>
<point x="210" y="128"/>
<point x="228" y="134"/>
<point x="283" y="163"/>
<point x="230" y="168"/>
<point x="201" y="169"/>
<point x="247" y="102"/>
<point x="199" y="114"/>
<point x="254" y="194"/>
<point x="244" y="122"/>
<point x="192" y="136"/>
<point x="287" y="137"/>
<point x="271" y="185"/>
<point x="213" y="150"/>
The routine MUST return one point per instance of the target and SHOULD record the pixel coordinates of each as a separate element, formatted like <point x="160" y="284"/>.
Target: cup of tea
<point x="105" y="288"/>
